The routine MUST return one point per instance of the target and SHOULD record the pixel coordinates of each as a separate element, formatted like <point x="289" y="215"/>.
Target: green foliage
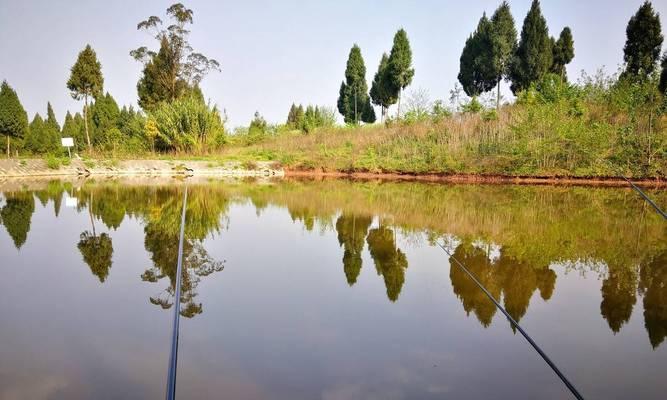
<point x="105" y="115"/>
<point x="563" y="53"/>
<point x="533" y="57"/>
<point x="643" y="43"/>
<point x="52" y="162"/>
<point x="86" y="81"/>
<point x="13" y="118"/>
<point x="97" y="252"/>
<point x="16" y="215"/>
<point x="382" y="93"/>
<point x="317" y="117"/>
<point x="353" y="100"/>
<point x="187" y="124"/>
<point x="86" y="75"/>
<point x="400" y="67"/>
<point x="176" y="69"/>
<point x="478" y="71"/>
<point x="504" y="40"/>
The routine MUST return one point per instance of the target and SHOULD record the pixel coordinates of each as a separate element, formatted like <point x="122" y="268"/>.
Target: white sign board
<point x="67" y="142"/>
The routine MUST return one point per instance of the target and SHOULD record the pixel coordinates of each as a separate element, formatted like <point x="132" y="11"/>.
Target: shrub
<point x="186" y="124"/>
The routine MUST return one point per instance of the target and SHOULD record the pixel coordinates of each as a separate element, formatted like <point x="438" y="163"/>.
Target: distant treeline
<point x="174" y="116"/>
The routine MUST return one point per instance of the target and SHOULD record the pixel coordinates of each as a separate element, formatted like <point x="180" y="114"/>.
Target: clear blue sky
<point x="274" y="53"/>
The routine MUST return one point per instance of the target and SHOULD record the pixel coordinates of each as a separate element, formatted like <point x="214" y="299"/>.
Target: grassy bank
<point x="597" y="128"/>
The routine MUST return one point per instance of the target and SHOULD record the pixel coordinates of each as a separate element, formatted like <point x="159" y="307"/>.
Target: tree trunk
<point x="498" y="97"/>
<point x="85" y="121"/>
<point x="398" y="112"/>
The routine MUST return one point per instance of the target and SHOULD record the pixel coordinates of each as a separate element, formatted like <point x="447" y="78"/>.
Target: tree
<point x="563" y="53"/>
<point x="291" y="116"/>
<point x="51" y="138"/>
<point x="16" y="215"/>
<point x="643" y="43"/>
<point x="478" y="70"/>
<point x="33" y="141"/>
<point x="86" y="81"/>
<point x="381" y="92"/>
<point x="175" y="69"/>
<point x="353" y="100"/>
<point x="504" y="43"/>
<point x="97" y="252"/>
<point x="533" y="57"/>
<point x="13" y="118"/>
<point x="104" y="115"/>
<point x="662" y="85"/>
<point x="400" y="65"/>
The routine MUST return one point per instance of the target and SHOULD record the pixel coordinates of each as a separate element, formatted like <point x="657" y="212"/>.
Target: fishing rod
<point x="173" y="358"/>
<point x="645" y="196"/>
<point x="537" y="348"/>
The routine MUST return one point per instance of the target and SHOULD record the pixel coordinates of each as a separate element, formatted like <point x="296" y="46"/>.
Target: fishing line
<point x="648" y="199"/>
<point x="537" y="348"/>
<point x="173" y="358"/>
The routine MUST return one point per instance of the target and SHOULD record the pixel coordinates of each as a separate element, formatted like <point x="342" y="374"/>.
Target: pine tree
<point x="86" y="81"/>
<point x="51" y="140"/>
<point x="400" y="65"/>
<point x="644" y="41"/>
<point x="563" y="53"/>
<point x="504" y="43"/>
<point x="533" y="57"/>
<point x="290" y="116"/>
<point x="353" y="94"/>
<point x="105" y="114"/>
<point x="381" y="91"/>
<point x="34" y="140"/>
<point x="478" y="71"/>
<point x="13" y="118"/>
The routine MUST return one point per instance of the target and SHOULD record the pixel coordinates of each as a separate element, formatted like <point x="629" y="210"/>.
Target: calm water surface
<point x="330" y="290"/>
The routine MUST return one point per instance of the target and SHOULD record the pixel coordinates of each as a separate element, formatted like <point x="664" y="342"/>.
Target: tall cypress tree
<point x="478" y="72"/>
<point x="504" y="43"/>
<point x="400" y="67"/>
<point x="13" y="118"/>
<point x="51" y="140"/>
<point x="644" y="41"/>
<point x="353" y="97"/>
<point x="381" y="91"/>
<point x="34" y="141"/>
<point x="563" y="53"/>
<point x="86" y="81"/>
<point x="533" y="57"/>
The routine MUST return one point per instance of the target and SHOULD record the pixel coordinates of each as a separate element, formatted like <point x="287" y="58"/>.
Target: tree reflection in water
<point x="506" y="215"/>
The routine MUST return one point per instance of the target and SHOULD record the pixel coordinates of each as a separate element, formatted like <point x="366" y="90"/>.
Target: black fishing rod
<point x="173" y="358"/>
<point x="645" y="196"/>
<point x="537" y="348"/>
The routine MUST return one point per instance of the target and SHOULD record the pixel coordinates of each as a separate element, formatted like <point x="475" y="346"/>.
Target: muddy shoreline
<point x="479" y="179"/>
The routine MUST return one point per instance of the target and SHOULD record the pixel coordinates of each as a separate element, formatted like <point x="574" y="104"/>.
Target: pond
<point x="330" y="289"/>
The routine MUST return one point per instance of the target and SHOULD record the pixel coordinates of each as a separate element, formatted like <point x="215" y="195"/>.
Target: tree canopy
<point x="478" y="72"/>
<point x="400" y="67"/>
<point x="533" y="57"/>
<point x="13" y="118"/>
<point x="86" y="81"/>
<point x="353" y="100"/>
<point x="644" y="41"/>
<point x="382" y="93"/>
<point x="504" y="43"/>
<point x="175" y="69"/>
<point x="563" y="53"/>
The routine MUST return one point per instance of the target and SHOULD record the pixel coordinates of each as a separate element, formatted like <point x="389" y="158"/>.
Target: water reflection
<point x="16" y="215"/>
<point x="512" y="238"/>
<point x="352" y="231"/>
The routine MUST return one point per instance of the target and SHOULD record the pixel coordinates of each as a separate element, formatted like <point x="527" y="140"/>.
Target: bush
<point x="186" y="124"/>
<point x="52" y="162"/>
